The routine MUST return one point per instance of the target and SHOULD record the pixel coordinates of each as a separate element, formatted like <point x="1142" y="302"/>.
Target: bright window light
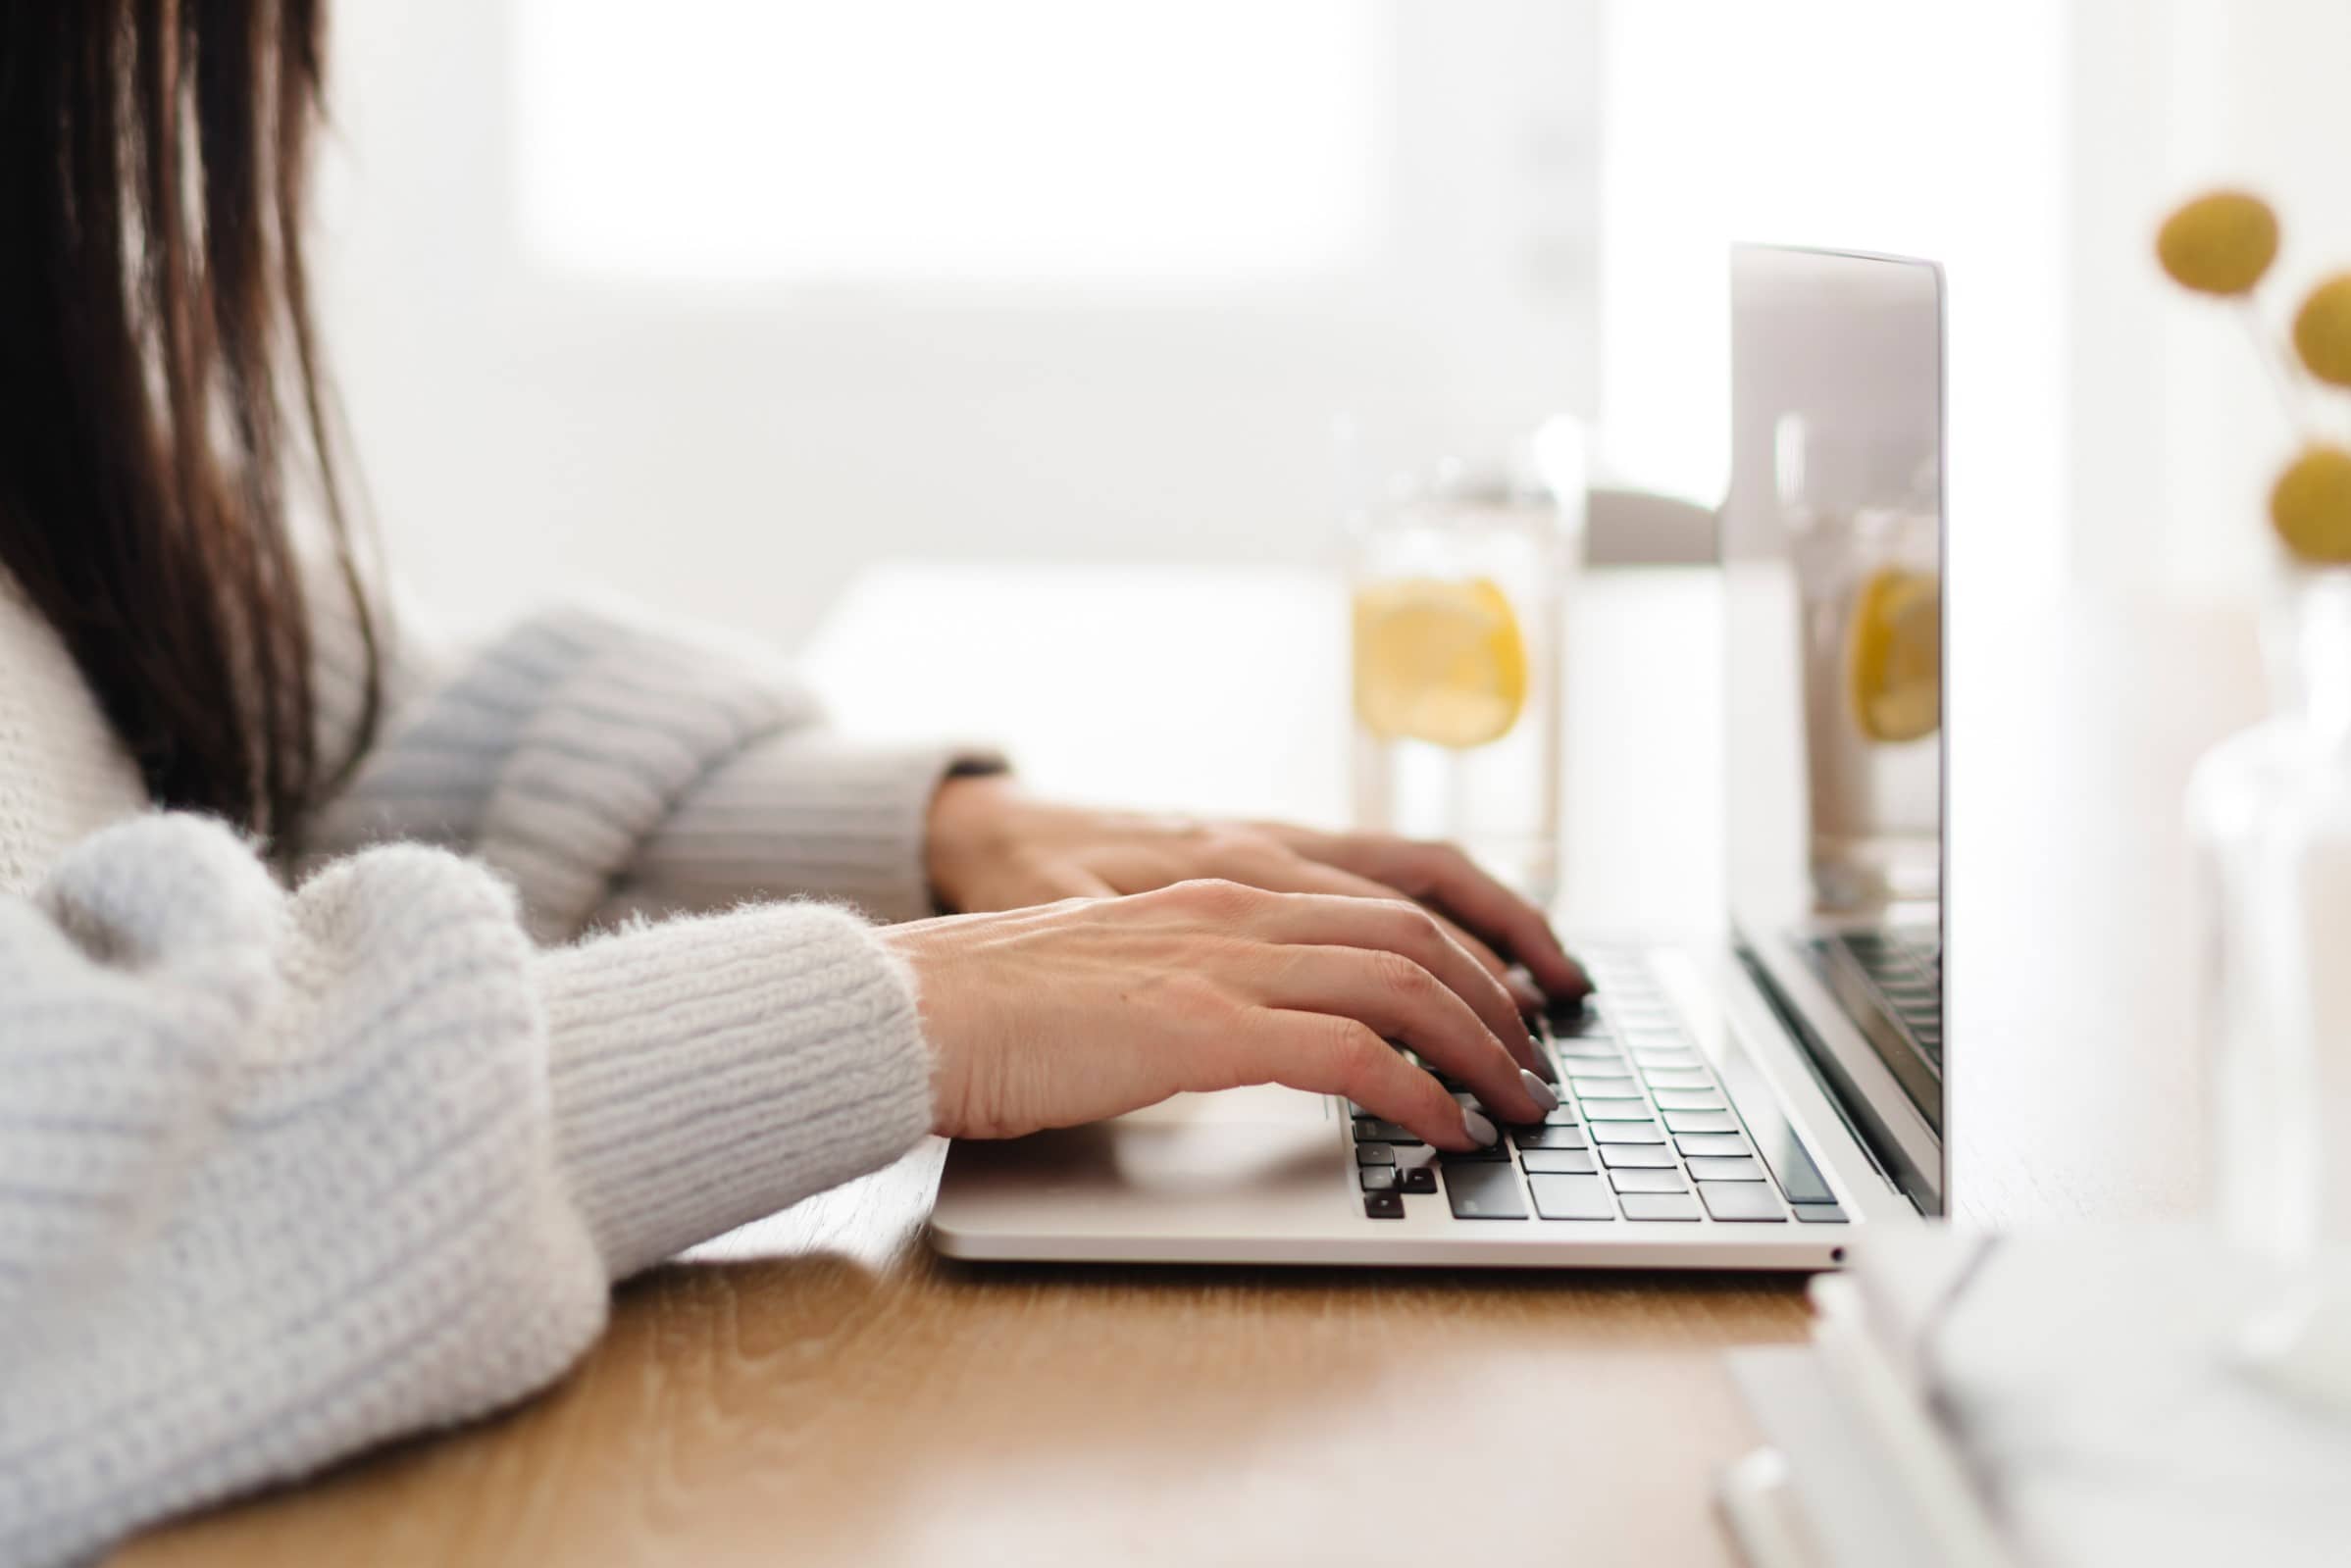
<point x="1016" y="141"/>
<point x="1931" y="130"/>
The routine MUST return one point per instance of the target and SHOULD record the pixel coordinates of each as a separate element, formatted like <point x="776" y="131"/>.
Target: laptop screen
<point x="1832" y="553"/>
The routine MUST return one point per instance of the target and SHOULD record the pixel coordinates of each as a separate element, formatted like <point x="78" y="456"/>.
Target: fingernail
<point x="1522" y="991"/>
<point x="1544" y="1070"/>
<point x="1538" y="1091"/>
<point x="1481" y="1132"/>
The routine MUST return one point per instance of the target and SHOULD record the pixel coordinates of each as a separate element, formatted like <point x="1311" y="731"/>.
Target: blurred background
<point x="717" y="302"/>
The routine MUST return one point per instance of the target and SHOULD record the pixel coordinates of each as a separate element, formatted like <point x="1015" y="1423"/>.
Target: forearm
<point x="709" y="1071"/>
<point x="607" y="766"/>
<point x="282" y="1177"/>
<point x="809" y="813"/>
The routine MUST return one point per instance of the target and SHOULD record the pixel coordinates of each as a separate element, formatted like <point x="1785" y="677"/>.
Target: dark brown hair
<point x="159" y="381"/>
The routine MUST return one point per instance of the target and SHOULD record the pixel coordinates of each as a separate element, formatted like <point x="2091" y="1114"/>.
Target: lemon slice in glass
<point x="1894" y="657"/>
<point x="1438" y="661"/>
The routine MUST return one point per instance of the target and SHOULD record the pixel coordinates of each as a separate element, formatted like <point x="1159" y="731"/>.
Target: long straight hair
<point x="160" y="381"/>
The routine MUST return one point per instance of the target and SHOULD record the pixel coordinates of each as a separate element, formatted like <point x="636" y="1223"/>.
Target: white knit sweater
<point x="289" y="1166"/>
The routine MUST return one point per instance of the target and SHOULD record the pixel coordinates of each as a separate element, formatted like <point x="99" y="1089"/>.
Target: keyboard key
<point x="1703" y="1143"/>
<point x="1598" y="1077"/>
<point x="1415" y="1179"/>
<point x="1560" y="1116"/>
<point x="1548" y="1136"/>
<point x="1557" y="1162"/>
<point x="1643" y="1156"/>
<point x="1572" y="1197"/>
<point x="1659" y="1180"/>
<point x="1585" y="1050"/>
<point x="1374" y="1154"/>
<point x="1799" y="1177"/>
<point x="1383" y="1205"/>
<point x="1660" y="1206"/>
<point x="1821" y="1214"/>
<point x="1701" y="1121"/>
<point x="1628" y="1110"/>
<point x="1740" y="1201"/>
<point x="1689" y="1099"/>
<point x="1656" y="1057"/>
<point x="1627" y="1132"/>
<point x="1677" y="1078"/>
<point x="1379" y="1132"/>
<point x="1377" y="1178"/>
<point x="1487" y="1155"/>
<point x="1716" y="1169"/>
<point x="1483" y="1193"/>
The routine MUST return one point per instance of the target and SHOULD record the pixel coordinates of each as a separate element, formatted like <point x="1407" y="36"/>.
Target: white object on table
<point x="2067" y="1400"/>
<point x="1224" y="691"/>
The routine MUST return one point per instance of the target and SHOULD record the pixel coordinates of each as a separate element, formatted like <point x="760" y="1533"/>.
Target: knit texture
<point x="608" y="767"/>
<point x="288" y="1170"/>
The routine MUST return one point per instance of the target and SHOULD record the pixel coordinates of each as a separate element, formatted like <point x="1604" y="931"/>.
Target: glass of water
<point x="1458" y="578"/>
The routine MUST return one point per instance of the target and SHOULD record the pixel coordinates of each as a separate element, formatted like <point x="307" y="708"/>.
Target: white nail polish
<point x="1538" y="1091"/>
<point x="1481" y="1132"/>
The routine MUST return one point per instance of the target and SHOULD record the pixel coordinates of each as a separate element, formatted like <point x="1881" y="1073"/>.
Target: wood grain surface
<point x="818" y="1388"/>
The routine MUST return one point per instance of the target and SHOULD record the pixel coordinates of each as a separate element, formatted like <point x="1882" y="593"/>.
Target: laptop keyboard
<point x="1645" y="1131"/>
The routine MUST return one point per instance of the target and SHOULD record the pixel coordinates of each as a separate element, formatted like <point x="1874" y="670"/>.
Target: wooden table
<point x="818" y="1388"/>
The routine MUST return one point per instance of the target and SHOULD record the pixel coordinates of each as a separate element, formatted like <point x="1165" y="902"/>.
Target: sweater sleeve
<point x="608" y="765"/>
<point x="283" y="1174"/>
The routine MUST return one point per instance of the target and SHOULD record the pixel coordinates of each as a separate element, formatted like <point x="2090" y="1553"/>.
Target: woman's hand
<point x="991" y="846"/>
<point x="1079" y="1010"/>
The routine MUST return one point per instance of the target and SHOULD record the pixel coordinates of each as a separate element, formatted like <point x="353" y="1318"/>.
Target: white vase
<point x="2269" y="817"/>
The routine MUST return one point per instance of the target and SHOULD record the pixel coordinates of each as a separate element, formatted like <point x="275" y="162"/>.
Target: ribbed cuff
<point x="809" y="812"/>
<point x="708" y="1072"/>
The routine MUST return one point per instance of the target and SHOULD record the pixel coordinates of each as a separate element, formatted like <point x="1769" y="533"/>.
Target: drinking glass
<point x="2270" y="816"/>
<point x="1459" y="578"/>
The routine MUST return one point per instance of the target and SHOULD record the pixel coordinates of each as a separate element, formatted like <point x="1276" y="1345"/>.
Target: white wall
<point x="2106" y="429"/>
<point x="1934" y="130"/>
<point x="734" y="440"/>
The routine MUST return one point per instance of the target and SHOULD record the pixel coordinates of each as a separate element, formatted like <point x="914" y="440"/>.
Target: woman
<point x="366" y="1009"/>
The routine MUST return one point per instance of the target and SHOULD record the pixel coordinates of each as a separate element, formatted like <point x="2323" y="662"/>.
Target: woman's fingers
<point x="1443" y="876"/>
<point x="1069" y="881"/>
<point x="1406" y="929"/>
<point x="1325" y="1053"/>
<point x="1402" y="1002"/>
<point x="1283" y="870"/>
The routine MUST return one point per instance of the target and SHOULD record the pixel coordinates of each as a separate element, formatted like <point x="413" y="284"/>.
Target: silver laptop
<point x="1751" y="1100"/>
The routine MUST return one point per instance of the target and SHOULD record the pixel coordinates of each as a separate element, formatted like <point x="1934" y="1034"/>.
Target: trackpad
<point x="1239" y="1140"/>
<point x="1261" y="1103"/>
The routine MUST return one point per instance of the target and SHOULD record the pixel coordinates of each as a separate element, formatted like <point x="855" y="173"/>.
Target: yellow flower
<point x="2323" y="330"/>
<point x="2310" y="505"/>
<point x="2219" y="244"/>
